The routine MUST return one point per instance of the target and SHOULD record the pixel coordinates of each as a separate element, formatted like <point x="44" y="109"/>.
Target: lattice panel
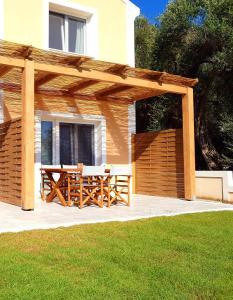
<point x="159" y="163"/>
<point x="10" y="162"/>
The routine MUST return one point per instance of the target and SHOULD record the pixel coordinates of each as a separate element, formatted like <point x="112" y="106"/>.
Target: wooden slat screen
<point x="159" y="164"/>
<point x="10" y="162"/>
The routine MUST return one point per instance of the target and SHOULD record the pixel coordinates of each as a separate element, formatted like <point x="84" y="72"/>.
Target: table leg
<point x="55" y="189"/>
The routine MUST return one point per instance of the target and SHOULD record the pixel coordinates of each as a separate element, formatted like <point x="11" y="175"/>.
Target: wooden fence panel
<point x="159" y="163"/>
<point x="10" y="162"/>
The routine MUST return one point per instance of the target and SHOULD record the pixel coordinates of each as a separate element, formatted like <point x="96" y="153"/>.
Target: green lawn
<point x="182" y="257"/>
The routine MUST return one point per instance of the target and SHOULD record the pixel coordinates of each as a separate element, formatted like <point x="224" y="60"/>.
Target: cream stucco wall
<point x="25" y="22"/>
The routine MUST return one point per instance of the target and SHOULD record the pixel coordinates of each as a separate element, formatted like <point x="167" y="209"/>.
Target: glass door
<point x="76" y="144"/>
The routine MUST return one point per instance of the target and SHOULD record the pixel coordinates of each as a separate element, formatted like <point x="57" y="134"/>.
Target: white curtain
<point x="56" y="32"/>
<point x="76" y="35"/>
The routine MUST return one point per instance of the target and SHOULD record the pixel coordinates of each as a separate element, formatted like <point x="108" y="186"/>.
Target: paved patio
<point x="53" y="215"/>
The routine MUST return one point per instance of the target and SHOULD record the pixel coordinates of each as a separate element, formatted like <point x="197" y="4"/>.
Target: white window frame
<point x="65" y="35"/>
<point x="74" y="10"/>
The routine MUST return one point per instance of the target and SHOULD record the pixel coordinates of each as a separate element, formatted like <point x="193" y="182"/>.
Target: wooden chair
<point x="45" y="185"/>
<point x="87" y="188"/>
<point x="71" y="182"/>
<point x="119" y="181"/>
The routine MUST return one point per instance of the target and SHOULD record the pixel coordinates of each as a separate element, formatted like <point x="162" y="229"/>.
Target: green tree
<point x="144" y="41"/>
<point x="194" y="38"/>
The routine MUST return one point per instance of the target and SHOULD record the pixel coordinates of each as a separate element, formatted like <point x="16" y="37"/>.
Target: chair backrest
<point x="93" y="171"/>
<point x="120" y="171"/>
<point x="70" y="166"/>
<point x="51" y="166"/>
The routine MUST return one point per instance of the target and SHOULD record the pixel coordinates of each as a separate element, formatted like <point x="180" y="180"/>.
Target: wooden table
<point x="56" y="186"/>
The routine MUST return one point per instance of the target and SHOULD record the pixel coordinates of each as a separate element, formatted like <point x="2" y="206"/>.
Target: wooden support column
<point x="188" y="144"/>
<point x="28" y="136"/>
<point x="133" y="164"/>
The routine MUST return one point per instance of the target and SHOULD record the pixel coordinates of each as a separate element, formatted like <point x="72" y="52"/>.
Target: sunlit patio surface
<point x="53" y="215"/>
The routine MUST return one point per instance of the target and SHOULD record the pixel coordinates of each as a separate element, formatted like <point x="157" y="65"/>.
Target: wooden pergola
<point x="30" y="71"/>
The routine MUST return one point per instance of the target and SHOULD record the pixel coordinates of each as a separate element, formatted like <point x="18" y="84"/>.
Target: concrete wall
<point x="215" y="185"/>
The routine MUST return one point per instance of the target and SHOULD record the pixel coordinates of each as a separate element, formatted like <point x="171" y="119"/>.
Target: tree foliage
<point x="194" y="38"/>
<point x="144" y="41"/>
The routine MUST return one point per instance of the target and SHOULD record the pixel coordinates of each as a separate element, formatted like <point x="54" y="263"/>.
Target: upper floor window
<point x="66" y="33"/>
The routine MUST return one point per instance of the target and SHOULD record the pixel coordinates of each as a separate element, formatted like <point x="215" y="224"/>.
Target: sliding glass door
<point x="47" y="143"/>
<point x="72" y="143"/>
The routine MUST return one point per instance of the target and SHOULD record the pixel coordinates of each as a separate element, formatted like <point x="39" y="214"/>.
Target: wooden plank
<point x="159" y="163"/>
<point x="28" y="136"/>
<point x="10" y="160"/>
<point x="188" y="144"/>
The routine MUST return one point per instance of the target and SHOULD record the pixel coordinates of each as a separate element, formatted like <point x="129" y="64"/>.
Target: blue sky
<point x="151" y="8"/>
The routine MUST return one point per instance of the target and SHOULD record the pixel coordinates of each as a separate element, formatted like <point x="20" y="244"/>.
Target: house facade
<point x="68" y="89"/>
<point x="70" y="131"/>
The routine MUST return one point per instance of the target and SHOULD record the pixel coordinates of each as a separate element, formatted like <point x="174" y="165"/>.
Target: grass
<point x="182" y="257"/>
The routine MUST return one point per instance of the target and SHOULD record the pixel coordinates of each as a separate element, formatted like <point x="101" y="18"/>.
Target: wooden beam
<point x="147" y="95"/>
<point x="13" y="62"/>
<point x="97" y="75"/>
<point x="26" y="52"/>
<point x="77" y="61"/>
<point x="112" y="90"/>
<point x="80" y="85"/>
<point x="153" y="75"/>
<point x="45" y="79"/>
<point x="13" y="87"/>
<point x="28" y="141"/>
<point x="85" y="97"/>
<point x="103" y="76"/>
<point x="4" y="70"/>
<point x="188" y="144"/>
<point x="118" y="69"/>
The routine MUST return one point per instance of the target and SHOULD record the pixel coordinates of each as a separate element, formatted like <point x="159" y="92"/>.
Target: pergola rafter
<point x="80" y="85"/>
<point x="45" y="79"/>
<point x="118" y="69"/>
<point x="4" y="70"/>
<point x="109" y="91"/>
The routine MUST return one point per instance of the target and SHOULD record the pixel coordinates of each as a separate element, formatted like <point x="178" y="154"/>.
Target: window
<point x="76" y="144"/>
<point x="66" y="33"/>
<point x="71" y="143"/>
<point x="46" y="143"/>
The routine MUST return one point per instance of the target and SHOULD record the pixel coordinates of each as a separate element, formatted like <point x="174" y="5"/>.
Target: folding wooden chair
<point x="70" y="186"/>
<point x="119" y="185"/>
<point x="45" y="185"/>
<point x="87" y="188"/>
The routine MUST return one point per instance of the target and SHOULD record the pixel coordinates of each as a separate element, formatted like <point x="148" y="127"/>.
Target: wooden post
<point x="188" y="144"/>
<point x="133" y="164"/>
<point x="28" y="136"/>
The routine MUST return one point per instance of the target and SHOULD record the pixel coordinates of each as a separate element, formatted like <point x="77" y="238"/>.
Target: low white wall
<point x="215" y="185"/>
